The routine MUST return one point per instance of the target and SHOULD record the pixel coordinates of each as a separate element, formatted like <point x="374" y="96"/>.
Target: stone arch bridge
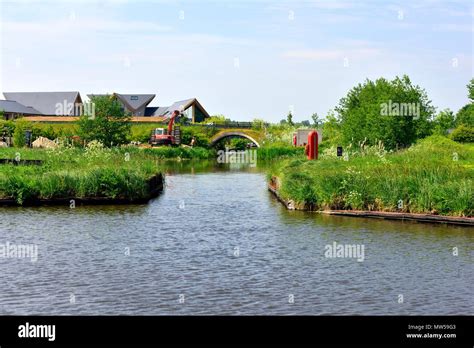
<point x="252" y="135"/>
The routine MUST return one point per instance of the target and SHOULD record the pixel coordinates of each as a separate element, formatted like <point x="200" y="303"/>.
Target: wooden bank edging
<point x="430" y="218"/>
<point x="155" y="186"/>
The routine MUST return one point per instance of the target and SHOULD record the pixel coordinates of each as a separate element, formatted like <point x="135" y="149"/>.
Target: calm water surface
<point x="217" y="242"/>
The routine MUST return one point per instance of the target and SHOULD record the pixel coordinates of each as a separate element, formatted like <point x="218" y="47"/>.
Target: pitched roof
<point x="155" y="110"/>
<point x="133" y="102"/>
<point x="180" y="105"/>
<point x="168" y="110"/>
<point x="44" y="102"/>
<point x="12" y="106"/>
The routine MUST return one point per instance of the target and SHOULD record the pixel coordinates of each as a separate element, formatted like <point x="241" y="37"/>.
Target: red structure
<point x="312" y="146"/>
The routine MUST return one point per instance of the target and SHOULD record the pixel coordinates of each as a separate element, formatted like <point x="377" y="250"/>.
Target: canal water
<point x="217" y="242"/>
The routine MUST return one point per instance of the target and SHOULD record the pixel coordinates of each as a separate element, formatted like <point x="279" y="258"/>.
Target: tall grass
<point x="165" y="152"/>
<point x="434" y="176"/>
<point x="272" y="152"/>
<point x="76" y="173"/>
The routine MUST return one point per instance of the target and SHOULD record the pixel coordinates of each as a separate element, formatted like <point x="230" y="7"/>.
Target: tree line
<point x="396" y="112"/>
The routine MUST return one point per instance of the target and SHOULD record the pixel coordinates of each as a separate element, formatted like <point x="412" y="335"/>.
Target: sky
<point x="243" y="59"/>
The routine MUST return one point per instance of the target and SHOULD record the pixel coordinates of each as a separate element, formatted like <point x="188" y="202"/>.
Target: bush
<point x="463" y="134"/>
<point x="8" y="127"/>
<point x="396" y="112"/>
<point x="239" y="143"/>
<point x="47" y="131"/>
<point x="258" y="124"/>
<point x="21" y="126"/>
<point x="216" y="119"/>
<point x="201" y="135"/>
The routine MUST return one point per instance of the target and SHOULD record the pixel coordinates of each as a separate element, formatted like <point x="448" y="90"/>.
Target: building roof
<point x="12" y="106"/>
<point x="180" y="105"/>
<point x="168" y="110"/>
<point x="133" y="102"/>
<point x="155" y="110"/>
<point x="44" y="102"/>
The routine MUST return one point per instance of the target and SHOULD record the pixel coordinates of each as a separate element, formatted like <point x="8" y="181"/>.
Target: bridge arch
<point x="226" y="134"/>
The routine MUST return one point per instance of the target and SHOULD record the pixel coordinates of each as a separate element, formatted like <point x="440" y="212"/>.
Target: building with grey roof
<point x="70" y="104"/>
<point x="137" y="105"/>
<point x="12" y="109"/>
<point x="133" y="103"/>
<point x="49" y="103"/>
<point x="191" y="108"/>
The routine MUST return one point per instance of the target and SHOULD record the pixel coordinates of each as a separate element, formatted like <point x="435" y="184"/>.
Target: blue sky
<point x="243" y="59"/>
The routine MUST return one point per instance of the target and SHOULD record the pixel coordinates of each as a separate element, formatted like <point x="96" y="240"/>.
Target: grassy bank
<point x="177" y="153"/>
<point x="274" y="152"/>
<point x="434" y="176"/>
<point x="76" y="173"/>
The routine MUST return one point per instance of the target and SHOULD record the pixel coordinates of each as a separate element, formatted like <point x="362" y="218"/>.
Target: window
<point x="134" y="97"/>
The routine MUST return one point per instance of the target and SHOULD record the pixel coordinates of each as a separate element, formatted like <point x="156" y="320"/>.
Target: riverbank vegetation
<point x="68" y="172"/>
<point x="434" y="176"/>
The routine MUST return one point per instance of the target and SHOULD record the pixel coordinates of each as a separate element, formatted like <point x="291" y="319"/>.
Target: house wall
<point x="8" y="116"/>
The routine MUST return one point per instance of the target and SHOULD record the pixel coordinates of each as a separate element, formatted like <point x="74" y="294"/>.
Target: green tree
<point x="443" y="121"/>
<point x="317" y="122"/>
<point x="306" y="123"/>
<point x="331" y="129"/>
<point x="396" y="112"/>
<point x="289" y="119"/>
<point x="465" y="115"/>
<point x="470" y="88"/>
<point x="110" y="125"/>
